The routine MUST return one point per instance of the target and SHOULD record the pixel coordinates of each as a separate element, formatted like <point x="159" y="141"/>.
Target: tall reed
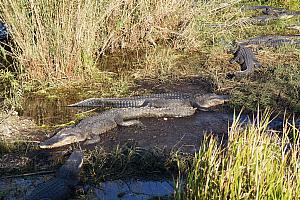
<point x="54" y="39"/>
<point x="256" y="164"/>
<point x="57" y="39"/>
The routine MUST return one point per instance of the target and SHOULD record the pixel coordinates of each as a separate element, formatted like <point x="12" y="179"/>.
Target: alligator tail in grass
<point x="91" y="127"/>
<point x="271" y="41"/>
<point x="62" y="186"/>
<point x="269" y="14"/>
<point x="246" y="59"/>
<point x="156" y="100"/>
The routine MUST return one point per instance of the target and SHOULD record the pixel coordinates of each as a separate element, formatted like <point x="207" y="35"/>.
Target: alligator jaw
<point x="62" y="139"/>
<point x="210" y="100"/>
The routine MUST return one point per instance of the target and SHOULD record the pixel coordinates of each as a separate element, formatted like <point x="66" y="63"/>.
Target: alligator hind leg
<point x="237" y="58"/>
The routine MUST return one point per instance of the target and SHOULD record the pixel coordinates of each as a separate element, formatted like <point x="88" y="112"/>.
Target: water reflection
<point x="48" y="111"/>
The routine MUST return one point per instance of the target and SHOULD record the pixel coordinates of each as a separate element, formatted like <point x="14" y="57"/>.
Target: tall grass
<point x="58" y="39"/>
<point x="53" y="39"/>
<point x="256" y="164"/>
<point x="10" y="90"/>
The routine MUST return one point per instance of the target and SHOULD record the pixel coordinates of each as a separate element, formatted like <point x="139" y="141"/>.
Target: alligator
<point x="269" y="10"/>
<point x="246" y="59"/>
<point x="199" y="101"/>
<point x="90" y="128"/>
<point x="62" y="185"/>
<point x="269" y="14"/>
<point x="271" y="41"/>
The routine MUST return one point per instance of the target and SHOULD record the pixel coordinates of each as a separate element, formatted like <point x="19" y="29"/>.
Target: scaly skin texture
<point x="271" y="41"/>
<point x="270" y="14"/>
<point x="61" y="187"/>
<point x="93" y="126"/>
<point x="246" y="59"/>
<point x="199" y="101"/>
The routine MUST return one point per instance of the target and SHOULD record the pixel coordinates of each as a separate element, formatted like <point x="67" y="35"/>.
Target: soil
<point x="183" y="134"/>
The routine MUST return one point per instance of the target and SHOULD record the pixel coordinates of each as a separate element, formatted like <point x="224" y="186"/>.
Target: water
<point x="3" y="31"/>
<point x="17" y="188"/>
<point x="46" y="111"/>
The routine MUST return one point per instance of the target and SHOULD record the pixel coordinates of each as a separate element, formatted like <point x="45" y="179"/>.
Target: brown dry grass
<point x="62" y="39"/>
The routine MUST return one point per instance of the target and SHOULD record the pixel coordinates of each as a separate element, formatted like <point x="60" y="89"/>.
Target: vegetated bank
<point x="113" y="44"/>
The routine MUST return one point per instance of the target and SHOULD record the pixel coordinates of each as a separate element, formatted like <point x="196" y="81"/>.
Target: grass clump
<point x="53" y="39"/>
<point x="62" y="39"/>
<point x="125" y="162"/>
<point x="256" y="164"/>
<point x="10" y="90"/>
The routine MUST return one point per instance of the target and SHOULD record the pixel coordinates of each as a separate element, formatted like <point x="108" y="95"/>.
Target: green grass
<point x="10" y="90"/>
<point x="125" y="162"/>
<point x="254" y="165"/>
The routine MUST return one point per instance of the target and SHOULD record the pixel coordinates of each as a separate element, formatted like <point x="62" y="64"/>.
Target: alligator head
<point x="209" y="100"/>
<point x="64" y="137"/>
<point x="71" y="168"/>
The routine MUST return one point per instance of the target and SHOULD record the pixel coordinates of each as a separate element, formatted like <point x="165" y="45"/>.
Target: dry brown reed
<point x="58" y="39"/>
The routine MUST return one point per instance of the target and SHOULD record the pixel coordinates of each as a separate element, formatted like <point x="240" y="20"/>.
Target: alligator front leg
<point x="92" y="140"/>
<point x="134" y="122"/>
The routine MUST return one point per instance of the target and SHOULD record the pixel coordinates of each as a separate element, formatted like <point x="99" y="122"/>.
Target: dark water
<point x="45" y="111"/>
<point x="3" y="31"/>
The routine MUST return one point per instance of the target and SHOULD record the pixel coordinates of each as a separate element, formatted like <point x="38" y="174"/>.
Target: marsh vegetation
<point x="61" y="50"/>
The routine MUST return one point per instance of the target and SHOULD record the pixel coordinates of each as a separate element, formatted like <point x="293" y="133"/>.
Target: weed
<point x="10" y="89"/>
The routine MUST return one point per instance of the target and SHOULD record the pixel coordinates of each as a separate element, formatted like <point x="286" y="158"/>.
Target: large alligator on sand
<point x="90" y="128"/>
<point x="61" y="187"/>
<point x="131" y="108"/>
<point x="199" y="101"/>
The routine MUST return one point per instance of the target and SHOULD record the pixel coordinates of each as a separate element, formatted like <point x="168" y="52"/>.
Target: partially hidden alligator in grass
<point x="61" y="187"/>
<point x="269" y="14"/>
<point x="3" y="31"/>
<point x="199" y="101"/>
<point x="246" y="59"/>
<point x="271" y="41"/>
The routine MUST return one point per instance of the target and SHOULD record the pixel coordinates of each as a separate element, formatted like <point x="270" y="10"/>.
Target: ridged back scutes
<point x="272" y="41"/>
<point x="172" y="95"/>
<point x="135" y="101"/>
<point x="55" y="188"/>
